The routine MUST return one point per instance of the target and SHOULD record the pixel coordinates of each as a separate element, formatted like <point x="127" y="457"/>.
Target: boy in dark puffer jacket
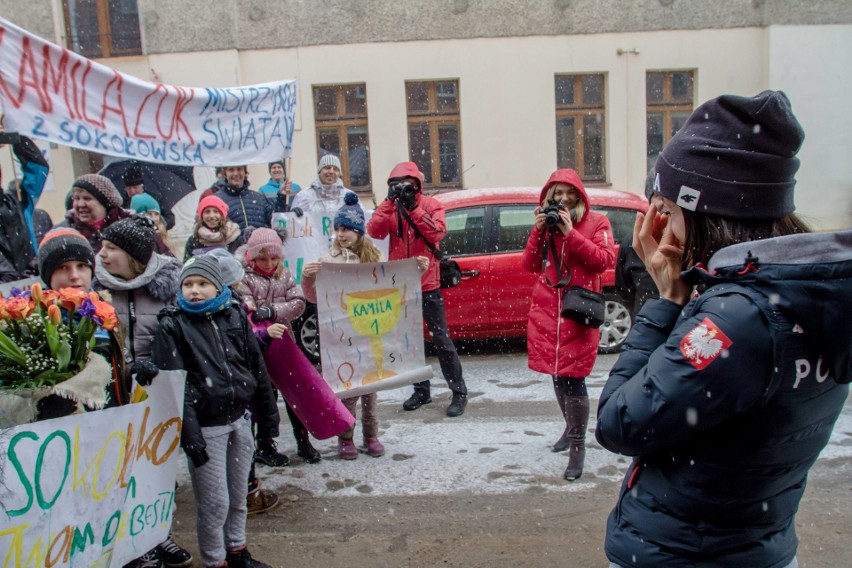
<point x="210" y="338"/>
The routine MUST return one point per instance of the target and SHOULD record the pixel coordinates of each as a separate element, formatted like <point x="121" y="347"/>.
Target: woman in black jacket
<point x="726" y="399"/>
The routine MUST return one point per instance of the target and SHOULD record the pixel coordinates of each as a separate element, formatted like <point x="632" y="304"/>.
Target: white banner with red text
<point x="54" y="94"/>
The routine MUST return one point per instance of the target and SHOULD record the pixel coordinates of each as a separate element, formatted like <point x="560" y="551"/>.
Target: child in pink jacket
<point x="272" y="295"/>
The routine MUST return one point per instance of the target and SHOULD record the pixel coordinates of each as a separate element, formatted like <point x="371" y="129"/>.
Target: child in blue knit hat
<point x="350" y="245"/>
<point x="145" y="204"/>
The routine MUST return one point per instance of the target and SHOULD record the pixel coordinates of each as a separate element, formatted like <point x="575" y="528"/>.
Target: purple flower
<point x="18" y="293"/>
<point x="87" y="309"/>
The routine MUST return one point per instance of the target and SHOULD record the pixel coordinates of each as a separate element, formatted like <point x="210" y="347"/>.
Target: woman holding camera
<point x="568" y="242"/>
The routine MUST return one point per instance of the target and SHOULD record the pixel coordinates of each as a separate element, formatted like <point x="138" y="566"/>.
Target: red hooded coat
<point x="429" y="217"/>
<point x="556" y="345"/>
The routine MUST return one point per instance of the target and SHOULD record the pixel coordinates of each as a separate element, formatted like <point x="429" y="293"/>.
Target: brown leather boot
<point x="577" y="416"/>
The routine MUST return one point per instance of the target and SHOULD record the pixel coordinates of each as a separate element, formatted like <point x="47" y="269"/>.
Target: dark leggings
<point x="570" y="386"/>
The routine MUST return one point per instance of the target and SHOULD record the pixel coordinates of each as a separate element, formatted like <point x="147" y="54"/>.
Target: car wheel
<point x="616" y="326"/>
<point x="306" y="329"/>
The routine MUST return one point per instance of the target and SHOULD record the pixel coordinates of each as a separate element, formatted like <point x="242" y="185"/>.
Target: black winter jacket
<point x="17" y="251"/>
<point x="727" y="403"/>
<point x="225" y="372"/>
<point x="246" y="207"/>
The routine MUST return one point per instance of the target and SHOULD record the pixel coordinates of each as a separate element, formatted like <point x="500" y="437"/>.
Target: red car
<point x="487" y="230"/>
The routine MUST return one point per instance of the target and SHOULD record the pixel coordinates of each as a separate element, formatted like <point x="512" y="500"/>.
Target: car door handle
<point x="469" y="273"/>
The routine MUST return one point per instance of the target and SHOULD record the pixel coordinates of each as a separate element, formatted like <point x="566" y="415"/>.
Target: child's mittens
<point x="264" y="313"/>
<point x="144" y="372"/>
<point x="199" y="458"/>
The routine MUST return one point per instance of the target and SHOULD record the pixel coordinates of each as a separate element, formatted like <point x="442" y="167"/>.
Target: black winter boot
<point x="564" y="441"/>
<point x="242" y="559"/>
<point x="457" y="406"/>
<point x="577" y="415"/>
<point x="304" y="448"/>
<point x="416" y="400"/>
<point x="267" y="454"/>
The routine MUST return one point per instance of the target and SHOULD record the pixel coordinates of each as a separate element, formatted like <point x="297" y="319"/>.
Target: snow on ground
<point x="491" y="449"/>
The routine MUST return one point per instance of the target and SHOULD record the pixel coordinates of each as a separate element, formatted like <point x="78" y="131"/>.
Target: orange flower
<point x="3" y="314"/>
<point x="71" y="298"/>
<point x="54" y="314"/>
<point x="19" y="308"/>
<point x="36" y="292"/>
<point x="49" y="297"/>
<point x="106" y="313"/>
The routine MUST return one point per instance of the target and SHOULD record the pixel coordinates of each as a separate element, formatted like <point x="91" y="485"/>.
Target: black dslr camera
<point x="405" y="190"/>
<point x="551" y="214"/>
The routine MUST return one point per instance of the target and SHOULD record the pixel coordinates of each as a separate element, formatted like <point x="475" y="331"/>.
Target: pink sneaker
<point x="346" y="449"/>
<point x="374" y="447"/>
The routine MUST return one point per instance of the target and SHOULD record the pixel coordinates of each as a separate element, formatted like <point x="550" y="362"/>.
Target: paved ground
<point x="483" y="490"/>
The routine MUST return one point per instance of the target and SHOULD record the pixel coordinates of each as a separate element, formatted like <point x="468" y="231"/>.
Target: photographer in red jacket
<point x="406" y="206"/>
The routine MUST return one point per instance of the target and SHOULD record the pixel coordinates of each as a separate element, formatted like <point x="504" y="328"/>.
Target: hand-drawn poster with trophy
<point x="371" y="326"/>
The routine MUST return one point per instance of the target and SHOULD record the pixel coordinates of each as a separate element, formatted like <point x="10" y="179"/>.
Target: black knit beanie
<point x="132" y="176"/>
<point x="734" y="157"/>
<point x="206" y="266"/>
<point x="134" y="235"/>
<point x="62" y="245"/>
<point x="279" y="162"/>
<point x="101" y="189"/>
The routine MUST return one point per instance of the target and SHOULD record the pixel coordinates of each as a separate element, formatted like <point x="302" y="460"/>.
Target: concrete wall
<point x="812" y="66"/>
<point x="169" y="26"/>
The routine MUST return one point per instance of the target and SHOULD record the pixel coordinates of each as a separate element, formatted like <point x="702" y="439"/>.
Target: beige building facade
<point x="507" y="64"/>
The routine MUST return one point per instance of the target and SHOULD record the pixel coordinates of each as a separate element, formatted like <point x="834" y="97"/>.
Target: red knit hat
<point x="212" y="201"/>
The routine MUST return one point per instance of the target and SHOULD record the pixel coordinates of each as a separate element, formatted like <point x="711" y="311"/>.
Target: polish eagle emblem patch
<point x="704" y="344"/>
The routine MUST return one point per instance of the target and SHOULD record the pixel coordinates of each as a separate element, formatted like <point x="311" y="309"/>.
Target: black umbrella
<point x="165" y="183"/>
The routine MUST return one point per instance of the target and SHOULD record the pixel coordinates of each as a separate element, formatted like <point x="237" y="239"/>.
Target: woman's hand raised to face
<point x="662" y="254"/>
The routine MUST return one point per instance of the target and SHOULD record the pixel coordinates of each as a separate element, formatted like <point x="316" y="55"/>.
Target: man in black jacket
<point x="17" y="238"/>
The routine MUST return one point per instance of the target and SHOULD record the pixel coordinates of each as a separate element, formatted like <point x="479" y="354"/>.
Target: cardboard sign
<point x="371" y="326"/>
<point x="92" y="489"/>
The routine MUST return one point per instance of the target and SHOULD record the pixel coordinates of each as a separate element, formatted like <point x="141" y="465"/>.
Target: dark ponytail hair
<point x="707" y="234"/>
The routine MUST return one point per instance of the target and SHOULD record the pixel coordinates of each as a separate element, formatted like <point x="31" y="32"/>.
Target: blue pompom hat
<point x="350" y="216"/>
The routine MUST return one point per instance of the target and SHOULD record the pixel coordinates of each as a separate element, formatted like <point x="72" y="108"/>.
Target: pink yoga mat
<point x="304" y="389"/>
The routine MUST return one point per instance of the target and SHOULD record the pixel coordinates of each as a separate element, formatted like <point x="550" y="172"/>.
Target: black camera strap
<point x="436" y="252"/>
<point x="557" y="259"/>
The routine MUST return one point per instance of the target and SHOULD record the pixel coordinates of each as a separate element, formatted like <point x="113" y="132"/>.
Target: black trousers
<point x="436" y="321"/>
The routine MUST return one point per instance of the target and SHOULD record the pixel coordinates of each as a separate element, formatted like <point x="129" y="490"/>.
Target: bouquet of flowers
<point x="46" y="335"/>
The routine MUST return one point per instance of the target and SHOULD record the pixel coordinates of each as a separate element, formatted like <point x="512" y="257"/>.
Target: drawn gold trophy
<point x="372" y="314"/>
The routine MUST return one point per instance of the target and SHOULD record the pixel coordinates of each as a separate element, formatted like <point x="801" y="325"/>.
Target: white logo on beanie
<point x="688" y="198"/>
<point x="657" y="183"/>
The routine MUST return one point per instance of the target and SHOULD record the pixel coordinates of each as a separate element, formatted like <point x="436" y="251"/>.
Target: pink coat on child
<point x="282" y="294"/>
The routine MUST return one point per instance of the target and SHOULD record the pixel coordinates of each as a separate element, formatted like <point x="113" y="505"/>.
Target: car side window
<point x="465" y="231"/>
<point x="620" y="218"/>
<point x="514" y="225"/>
